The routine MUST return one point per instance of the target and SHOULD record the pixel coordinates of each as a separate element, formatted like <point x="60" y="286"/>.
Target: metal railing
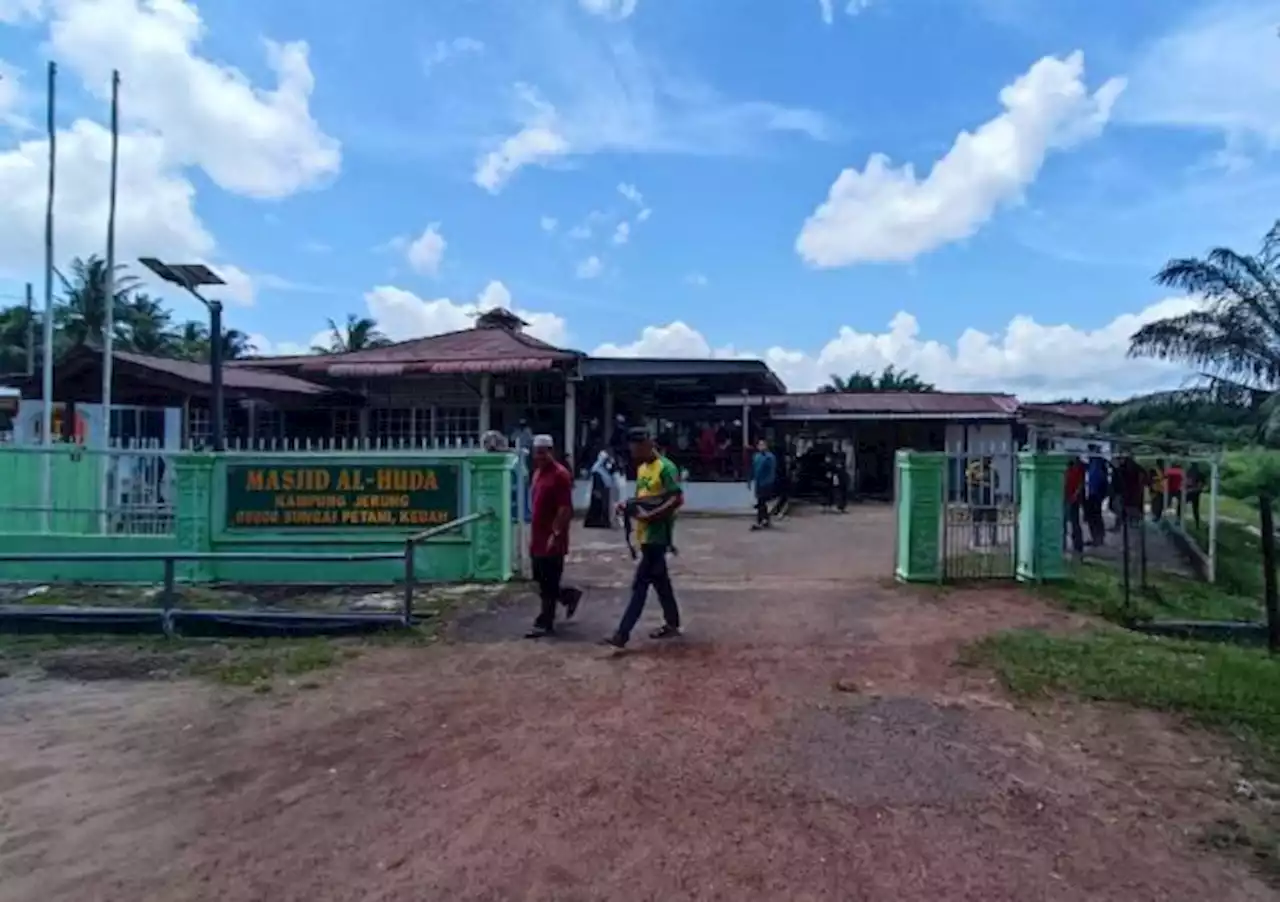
<point x="127" y="489"/>
<point x="170" y="560"/>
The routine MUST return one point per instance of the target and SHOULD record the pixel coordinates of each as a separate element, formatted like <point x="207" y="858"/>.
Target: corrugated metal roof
<point x="1086" y="413"/>
<point x="924" y="404"/>
<point x="245" y="379"/>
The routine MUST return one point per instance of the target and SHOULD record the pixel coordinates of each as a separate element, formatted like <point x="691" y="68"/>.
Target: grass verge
<point x="1095" y="587"/>
<point x="1226" y="688"/>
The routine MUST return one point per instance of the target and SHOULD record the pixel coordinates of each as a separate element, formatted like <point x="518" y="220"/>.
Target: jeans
<point x="547" y="573"/>
<point x="651" y="571"/>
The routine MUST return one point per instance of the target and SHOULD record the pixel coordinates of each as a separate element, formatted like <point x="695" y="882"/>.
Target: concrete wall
<point x="479" y="551"/>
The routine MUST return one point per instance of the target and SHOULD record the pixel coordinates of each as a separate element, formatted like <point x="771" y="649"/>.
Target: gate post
<point x="919" y="508"/>
<point x="1041" y="520"/>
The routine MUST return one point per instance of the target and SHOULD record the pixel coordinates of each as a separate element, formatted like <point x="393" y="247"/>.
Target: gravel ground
<point x="808" y="739"/>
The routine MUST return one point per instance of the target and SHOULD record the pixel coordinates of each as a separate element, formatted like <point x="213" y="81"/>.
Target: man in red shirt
<point x="1073" y="487"/>
<point x="552" y="512"/>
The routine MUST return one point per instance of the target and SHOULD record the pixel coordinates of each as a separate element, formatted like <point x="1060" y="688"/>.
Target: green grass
<point x="1225" y="687"/>
<point x="1097" y="588"/>
<point x="233" y="662"/>
<point x="1239" y="558"/>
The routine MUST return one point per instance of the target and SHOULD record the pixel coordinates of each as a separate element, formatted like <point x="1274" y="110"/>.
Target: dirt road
<point x="809" y="739"/>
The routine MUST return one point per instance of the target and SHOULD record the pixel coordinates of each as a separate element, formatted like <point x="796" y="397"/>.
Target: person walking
<point x="764" y="471"/>
<point x="1096" y="490"/>
<point x="552" y="504"/>
<point x="656" y="479"/>
<point x="782" y="486"/>
<point x="1073" y="487"/>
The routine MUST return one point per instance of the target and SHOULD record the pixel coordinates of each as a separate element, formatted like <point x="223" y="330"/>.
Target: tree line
<point x="141" y="323"/>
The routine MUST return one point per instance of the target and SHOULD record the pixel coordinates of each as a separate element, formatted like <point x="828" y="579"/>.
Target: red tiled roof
<point x="483" y="350"/>
<point x="903" y="404"/>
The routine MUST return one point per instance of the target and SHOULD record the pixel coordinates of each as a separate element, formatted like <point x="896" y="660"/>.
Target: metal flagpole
<point x="46" y="373"/>
<point x="108" y="327"/>
<point x="109" y="300"/>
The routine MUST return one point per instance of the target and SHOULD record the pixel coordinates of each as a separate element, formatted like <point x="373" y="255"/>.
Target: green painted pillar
<point x="193" y="480"/>
<point x="919" y="477"/>
<point x="491" y="551"/>
<point x="1041" y="479"/>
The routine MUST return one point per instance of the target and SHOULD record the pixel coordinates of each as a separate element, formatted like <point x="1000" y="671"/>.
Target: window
<point x="199" y="427"/>
<point x="457" y="424"/>
<point x="135" y="426"/>
<point x="392" y="425"/>
<point x="346" y="423"/>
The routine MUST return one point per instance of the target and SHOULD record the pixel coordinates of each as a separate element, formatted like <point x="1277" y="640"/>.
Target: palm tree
<point x="1233" y="342"/>
<point x="82" y="315"/>
<point x="144" y="326"/>
<point x="14" y="333"/>
<point x="359" y="333"/>
<point x="890" y="379"/>
<point x="192" y="342"/>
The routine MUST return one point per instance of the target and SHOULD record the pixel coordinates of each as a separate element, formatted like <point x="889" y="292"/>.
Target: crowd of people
<point x="1128" y="490"/>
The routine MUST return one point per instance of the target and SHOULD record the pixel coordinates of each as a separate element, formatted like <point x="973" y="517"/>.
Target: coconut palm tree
<point x="192" y="342"/>
<point x="14" y="334"/>
<point x="359" y="333"/>
<point x="1233" y="341"/>
<point x="144" y="326"/>
<point x="82" y="314"/>
<point x="891" y="379"/>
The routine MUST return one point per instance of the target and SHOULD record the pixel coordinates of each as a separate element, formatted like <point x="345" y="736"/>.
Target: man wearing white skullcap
<point x="549" y="536"/>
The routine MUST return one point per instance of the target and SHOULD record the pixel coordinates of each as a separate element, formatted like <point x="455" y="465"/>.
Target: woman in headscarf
<point x="600" y="510"/>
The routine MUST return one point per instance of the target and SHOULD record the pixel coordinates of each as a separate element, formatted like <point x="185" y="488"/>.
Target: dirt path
<point x="808" y="739"/>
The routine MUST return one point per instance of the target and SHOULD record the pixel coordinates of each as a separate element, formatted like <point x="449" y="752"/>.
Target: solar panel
<point x="187" y="275"/>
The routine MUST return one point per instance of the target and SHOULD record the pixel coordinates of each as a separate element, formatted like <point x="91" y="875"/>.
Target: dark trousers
<point x="1073" y="527"/>
<point x="548" y="570"/>
<point x="651" y="571"/>
<point x="1193" y="502"/>
<point x="762" y="506"/>
<point x="1093" y="519"/>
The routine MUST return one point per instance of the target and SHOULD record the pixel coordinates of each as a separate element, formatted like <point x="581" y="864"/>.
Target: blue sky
<point x="653" y="177"/>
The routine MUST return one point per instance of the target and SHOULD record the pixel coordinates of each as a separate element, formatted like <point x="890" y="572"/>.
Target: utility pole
<point x="46" y="374"/>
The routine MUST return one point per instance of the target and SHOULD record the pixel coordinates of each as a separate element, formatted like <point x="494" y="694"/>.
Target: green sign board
<point x="299" y="497"/>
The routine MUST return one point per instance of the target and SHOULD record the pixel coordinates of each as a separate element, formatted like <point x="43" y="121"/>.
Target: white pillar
<point x="571" y="423"/>
<point x="486" y="401"/>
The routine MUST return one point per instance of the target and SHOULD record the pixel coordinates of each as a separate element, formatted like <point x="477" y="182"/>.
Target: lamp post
<point x="190" y="277"/>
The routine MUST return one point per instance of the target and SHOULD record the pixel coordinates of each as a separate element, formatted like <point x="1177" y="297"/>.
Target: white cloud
<point x="155" y="214"/>
<point x="259" y="142"/>
<point x="402" y="315"/>
<point x="443" y="51"/>
<point x="589" y="268"/>
<point x="533" y="144"/>
<point x="1027" y="358"/>
<point x="179" y="111"/>
<point x="10" y="93"/>
<point x="548" y="223"/>
<point x="696" y="279"/>
<point x="827" y="9"/>
<point x="15" y="12"/>
<point x="886" y="214"/>
<point x="600" y="95"/>
<point x="425" y="252"/>
<point x="622" y="233"/>
<point x="643" y="215"/>
<point x="631" y="193"/>
<point x="609" y="9"/>
<point x="1215" y="71"/>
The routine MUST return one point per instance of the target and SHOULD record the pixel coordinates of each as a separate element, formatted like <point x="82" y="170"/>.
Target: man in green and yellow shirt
<point x="657" y="479"/>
